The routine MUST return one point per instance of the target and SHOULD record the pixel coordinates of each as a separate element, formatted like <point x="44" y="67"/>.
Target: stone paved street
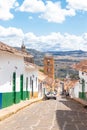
<point x="60" y="114"/>
<point x="71" y="115"/>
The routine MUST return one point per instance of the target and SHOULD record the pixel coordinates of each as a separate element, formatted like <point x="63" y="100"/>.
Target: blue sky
<point x="44" y="24"/>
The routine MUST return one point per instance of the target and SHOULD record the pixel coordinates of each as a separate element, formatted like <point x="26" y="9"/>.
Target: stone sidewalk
<point x="83" y="102"/>
<point x="6" y="112"/>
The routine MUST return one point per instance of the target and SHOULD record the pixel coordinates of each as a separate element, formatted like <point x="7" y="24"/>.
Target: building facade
<point x="29" y="58"/>
<point x="82" y="68"/>
<point x="15" y="76"/>
<point x="31" y="76"/>
<point x="49" y="66"/>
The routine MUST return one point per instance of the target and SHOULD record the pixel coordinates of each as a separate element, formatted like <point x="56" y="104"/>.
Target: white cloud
<point x="53" y="41"/>
<point x="11" y="36"/>
<point x="5" y="7"/>
<point x="32" y="6"/>
<point x="77" y="4"/>
<point x="72" y="42"/>
<point x="50" y="11"/>
<point x="54" y="12"/>
<point x="10" y="31"/>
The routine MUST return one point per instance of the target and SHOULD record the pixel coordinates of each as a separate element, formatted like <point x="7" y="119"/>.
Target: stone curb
<point x="81" y="101"/>
<point x="14" y="109"/>
<point x="84" y="103"/>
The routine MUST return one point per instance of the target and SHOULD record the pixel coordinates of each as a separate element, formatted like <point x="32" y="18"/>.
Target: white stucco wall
<point x="83" y="76"/>
<point x="76" y="90"/>
<point x="40" y="85"/>
<point x="33" y="73"/>
<point x="10" y="63"/>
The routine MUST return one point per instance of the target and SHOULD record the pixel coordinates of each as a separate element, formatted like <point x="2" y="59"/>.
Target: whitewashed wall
<point x="29" y="73"/>
<point x="83" y="76"/>
<point x="10" y="63"/>
<point x="76" y="90"/>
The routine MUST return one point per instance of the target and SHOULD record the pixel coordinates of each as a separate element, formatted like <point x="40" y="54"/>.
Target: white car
<point x="51" y="95"/>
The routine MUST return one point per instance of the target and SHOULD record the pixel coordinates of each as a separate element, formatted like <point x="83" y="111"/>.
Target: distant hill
<point x="33" y="52"/>
<point x="77" y="53"/>
<point x="36" y="53"/>
<point x="38" y="56"/>
<point x="63" y="60"/>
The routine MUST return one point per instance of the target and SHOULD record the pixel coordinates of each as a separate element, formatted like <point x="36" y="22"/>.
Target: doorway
<point x="27" y="94"/>
<point x="21" y="87"/>
<point x="14" y="87"/>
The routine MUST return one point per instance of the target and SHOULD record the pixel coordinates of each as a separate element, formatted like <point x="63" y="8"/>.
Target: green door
<point x="27" y="94"/>
<point x="21" y="87"/>
<point x="14" y="87"/>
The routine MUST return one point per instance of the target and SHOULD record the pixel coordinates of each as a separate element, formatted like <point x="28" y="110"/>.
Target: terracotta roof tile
<point x="69" y="84"/>
<point x="7" y="48"/>
<point x="30" y="65"/>
<point x="82" y="66"/>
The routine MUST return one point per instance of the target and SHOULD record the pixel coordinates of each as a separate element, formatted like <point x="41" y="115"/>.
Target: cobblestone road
<point x="60" y="114"/>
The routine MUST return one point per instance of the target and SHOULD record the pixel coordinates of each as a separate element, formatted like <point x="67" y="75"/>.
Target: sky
<point x="44" y="25"/>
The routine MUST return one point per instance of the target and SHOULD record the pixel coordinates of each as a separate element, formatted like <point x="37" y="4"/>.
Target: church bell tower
<point x="49" y="66"/>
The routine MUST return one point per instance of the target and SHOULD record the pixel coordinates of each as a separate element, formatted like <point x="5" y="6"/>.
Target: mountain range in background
<point x="62" y="59"/>
<point x="77" y="53"/>
<point x="70" y="53"/>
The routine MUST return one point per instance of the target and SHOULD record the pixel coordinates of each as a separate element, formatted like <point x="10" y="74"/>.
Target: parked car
<point x="51" y="95"/>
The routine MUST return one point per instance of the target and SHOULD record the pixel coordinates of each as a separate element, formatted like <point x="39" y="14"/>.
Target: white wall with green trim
<point x="10" y="63"/>
<point x="33" y="73"/>
<point x="83" y="85"/>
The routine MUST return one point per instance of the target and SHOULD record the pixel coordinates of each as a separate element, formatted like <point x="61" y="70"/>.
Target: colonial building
<point x="31" y="79"/>
<point x="72" y="88"/>
<point x="82" y="68"/>
<point x="49" y="66"/>
<point x="28" y="59"/>
<point x="41" y="84"/>
<point x="18" y="80"/>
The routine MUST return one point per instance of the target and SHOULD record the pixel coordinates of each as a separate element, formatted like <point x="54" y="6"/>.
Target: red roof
<point x="5" y="48"/>
<point x="81" y="66"/>
<point x="69" y="84"/>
